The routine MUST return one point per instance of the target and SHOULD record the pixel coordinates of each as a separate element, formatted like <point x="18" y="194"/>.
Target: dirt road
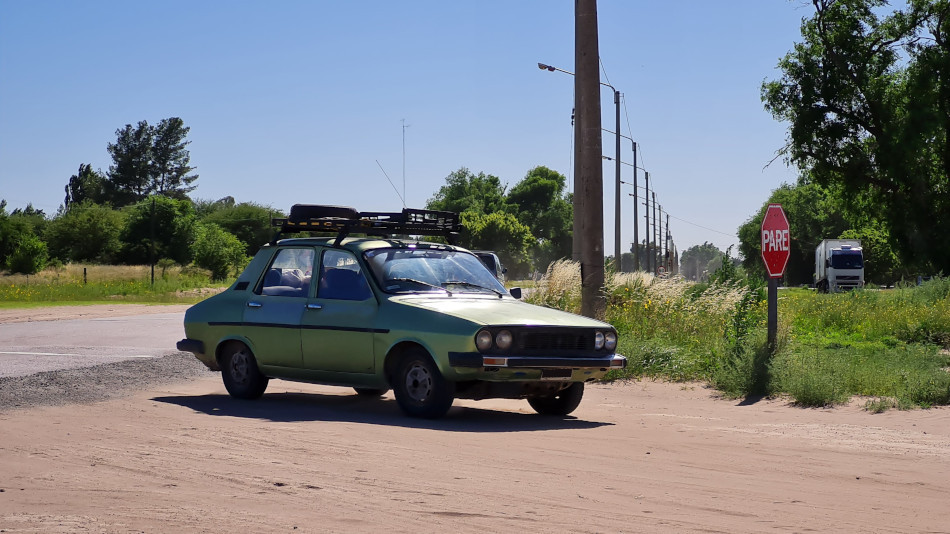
<point x="641" y="457"/>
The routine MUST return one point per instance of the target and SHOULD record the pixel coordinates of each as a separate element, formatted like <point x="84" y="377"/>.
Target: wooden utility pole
<point x="588" y="168"/>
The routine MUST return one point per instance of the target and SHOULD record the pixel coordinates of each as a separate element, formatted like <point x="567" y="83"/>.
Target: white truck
<point x="839" y="264"/>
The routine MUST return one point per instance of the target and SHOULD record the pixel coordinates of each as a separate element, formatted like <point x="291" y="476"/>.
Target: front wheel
<point x="242" y="378"/>
<point x="561" y="403"/>
<point x="420" y="388"/>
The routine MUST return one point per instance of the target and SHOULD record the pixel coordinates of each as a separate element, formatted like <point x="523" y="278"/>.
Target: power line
<point x="701" y="226"/>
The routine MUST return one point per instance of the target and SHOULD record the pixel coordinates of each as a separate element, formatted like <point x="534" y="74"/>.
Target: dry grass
<point x="96" y="283"/>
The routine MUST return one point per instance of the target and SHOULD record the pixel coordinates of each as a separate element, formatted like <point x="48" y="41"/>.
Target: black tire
<point x="240" y="374"/>
<point x="370" y="392"/>
<point x="560" y="404"/>
<point x="420" y="389"/>
<point x="305" y="212"/>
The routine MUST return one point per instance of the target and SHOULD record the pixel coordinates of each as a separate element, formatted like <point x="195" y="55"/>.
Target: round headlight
<point x="503" y="340"/>
<point x="483" y="340"/>
<point x="599" y="340"/>
<point x="610" y="340"/>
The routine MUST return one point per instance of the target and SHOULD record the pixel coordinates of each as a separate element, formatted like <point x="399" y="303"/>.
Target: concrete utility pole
<point x="656" y="236"/>
<point x="588" y="169"/>
<point x="667" y="257"/>
<point x="617" y="250"/>
<point x="636" y="244"/>
<point x="646" y="220"/>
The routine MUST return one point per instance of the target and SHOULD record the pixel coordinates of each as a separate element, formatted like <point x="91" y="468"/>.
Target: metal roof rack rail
<point x="345" y="221"/>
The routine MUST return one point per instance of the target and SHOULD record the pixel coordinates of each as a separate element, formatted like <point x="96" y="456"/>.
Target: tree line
<point x="139" y="212"/>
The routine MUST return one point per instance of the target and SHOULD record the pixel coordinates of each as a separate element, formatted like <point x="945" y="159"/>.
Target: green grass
<point x="888" y="346"/>
<point x="105" y="284"/>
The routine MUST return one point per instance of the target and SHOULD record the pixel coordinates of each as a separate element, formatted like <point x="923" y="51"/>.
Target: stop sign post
<point x="776" y="247"/>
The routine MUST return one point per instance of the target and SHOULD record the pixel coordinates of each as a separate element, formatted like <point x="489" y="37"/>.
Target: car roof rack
<point x="345" y="221"/>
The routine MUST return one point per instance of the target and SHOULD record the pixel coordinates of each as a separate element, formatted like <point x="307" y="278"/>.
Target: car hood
<point x="490" y="310"/>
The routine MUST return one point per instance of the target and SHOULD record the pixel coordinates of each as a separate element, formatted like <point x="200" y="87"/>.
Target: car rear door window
<point x="289" y="274"/>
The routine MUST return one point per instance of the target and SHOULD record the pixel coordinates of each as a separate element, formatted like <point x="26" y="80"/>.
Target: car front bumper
<point x="477" y="360"/>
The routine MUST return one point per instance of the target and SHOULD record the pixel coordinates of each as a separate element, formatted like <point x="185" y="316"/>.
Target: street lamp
<point x="550" y="68"/>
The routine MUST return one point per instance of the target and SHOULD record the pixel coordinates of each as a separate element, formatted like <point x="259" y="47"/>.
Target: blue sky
<point x="296" y="101"/>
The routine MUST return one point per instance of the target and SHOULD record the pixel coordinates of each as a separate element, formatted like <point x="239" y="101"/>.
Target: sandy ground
<point x="181" y="456"/>
<point x="642" y="457"/>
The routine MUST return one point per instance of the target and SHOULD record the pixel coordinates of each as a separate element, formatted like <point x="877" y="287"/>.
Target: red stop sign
<point x="776" y="242"/>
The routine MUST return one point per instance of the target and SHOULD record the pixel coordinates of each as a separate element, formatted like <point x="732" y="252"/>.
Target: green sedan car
<point x="427" y="320"/>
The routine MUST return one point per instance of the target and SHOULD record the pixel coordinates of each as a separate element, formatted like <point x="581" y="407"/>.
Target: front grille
<point x="550" y="341"/>
<point x="855" y="278"/>
<point x="555" y="341"/>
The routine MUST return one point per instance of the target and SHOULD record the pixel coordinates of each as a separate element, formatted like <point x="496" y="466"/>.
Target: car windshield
<point x="422" y="269"/>
<point x="847" y="260"/>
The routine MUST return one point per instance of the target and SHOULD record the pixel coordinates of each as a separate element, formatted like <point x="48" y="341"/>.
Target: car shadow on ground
<point x="304" y="407"/>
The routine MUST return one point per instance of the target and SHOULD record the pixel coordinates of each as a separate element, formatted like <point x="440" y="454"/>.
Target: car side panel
<point x="438" y="333"/>
<point x="272" y="324"/>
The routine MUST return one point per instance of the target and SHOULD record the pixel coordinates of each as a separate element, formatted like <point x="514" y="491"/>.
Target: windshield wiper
<point x="420" y="282"/>
<point x="469" y="284"/>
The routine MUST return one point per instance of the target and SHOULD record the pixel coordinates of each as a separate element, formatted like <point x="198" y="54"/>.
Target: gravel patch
<point x="99" y="382"/>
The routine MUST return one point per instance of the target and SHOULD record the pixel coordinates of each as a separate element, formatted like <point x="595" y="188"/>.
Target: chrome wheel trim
<point x="419" y="382"/>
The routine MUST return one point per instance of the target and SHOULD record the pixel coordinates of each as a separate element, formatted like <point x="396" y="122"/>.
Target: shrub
<point x="29" y="256"/>
<point x="218" y="251"/>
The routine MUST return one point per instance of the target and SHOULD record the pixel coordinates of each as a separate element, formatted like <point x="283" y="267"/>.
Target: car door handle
<point x="253" y="304"/>
<point x="314" y="306"/>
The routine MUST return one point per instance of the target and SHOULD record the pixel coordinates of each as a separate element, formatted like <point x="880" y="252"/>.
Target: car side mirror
<point x="504" y="270"/>
<point x="515" y="292"/>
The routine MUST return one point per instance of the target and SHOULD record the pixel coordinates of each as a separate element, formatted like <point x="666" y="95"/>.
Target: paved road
<point x="32" y="347"/>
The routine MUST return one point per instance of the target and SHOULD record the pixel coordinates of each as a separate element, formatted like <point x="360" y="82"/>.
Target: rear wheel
<point x="561" y="403"/>
<point x="420" y="388"/>
<point x="242" y="378"/>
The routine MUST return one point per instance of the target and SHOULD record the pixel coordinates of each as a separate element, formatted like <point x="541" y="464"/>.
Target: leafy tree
<point x="867" y="99"/>
<point x="500" y="232"/>
<point x="150" y="160"/>
<point x="85" y="185"/>
<point x="539" y="201"/>
<point x="881" y="264"/>
<point x="29" y="255"/>
<point x="17" y="226"/>
<point x="167" y="224"/>
<point x="10" y="231"/>
<point x="130" y="172"/>
<point x="699" y="261"/>
<point x="249" y="222"/>
<point x="34" y="218"/>
<point x="218" y="251"/>
<point x="464" y="191"/>
<point x="205" y="207"/>
<point x="87" y="232"/>
<point x="169" y="172"/>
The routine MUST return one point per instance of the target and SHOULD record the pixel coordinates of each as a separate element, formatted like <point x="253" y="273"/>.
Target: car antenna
<point x="392" y="184"/>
